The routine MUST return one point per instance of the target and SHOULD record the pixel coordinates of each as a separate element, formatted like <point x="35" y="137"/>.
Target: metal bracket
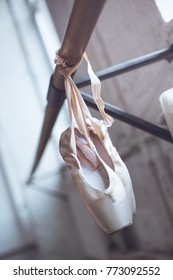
<point x="55" y="97"/>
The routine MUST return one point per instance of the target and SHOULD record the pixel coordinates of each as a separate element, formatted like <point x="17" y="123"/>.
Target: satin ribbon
<point x="78" y="110"/>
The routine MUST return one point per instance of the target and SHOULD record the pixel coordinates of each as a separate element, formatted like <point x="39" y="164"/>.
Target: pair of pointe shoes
<point x="101" y="177"/>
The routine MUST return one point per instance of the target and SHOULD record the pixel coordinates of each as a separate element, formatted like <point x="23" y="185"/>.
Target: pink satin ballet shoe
<point x="101" y="188"/>
<point x="166" y="102"/>
<point x="97" y="169"/>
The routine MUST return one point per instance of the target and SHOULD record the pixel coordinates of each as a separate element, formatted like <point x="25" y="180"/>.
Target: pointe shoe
<point x="166" y="102"/>
<point x="101" y="178"/>
<point x="113" y="159"/>
<point x="100" y="187"/>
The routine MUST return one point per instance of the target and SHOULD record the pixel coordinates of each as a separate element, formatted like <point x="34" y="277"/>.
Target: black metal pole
<point x="131" y="119"/>
<point x="128" y="65"/>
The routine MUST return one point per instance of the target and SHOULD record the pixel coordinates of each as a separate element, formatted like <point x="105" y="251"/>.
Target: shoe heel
<point x="132" y="202"/>
<point x="112" y="217"/>
<point x="122" y="215"/>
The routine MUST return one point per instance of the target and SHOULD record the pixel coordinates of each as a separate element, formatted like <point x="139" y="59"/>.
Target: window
<point x="166" y="9"/>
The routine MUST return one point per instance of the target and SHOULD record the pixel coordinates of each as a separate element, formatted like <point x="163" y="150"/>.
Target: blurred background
<point x="46" y="219"/>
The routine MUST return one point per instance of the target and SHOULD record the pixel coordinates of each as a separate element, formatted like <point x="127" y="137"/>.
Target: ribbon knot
<point x="64" y="68"/>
